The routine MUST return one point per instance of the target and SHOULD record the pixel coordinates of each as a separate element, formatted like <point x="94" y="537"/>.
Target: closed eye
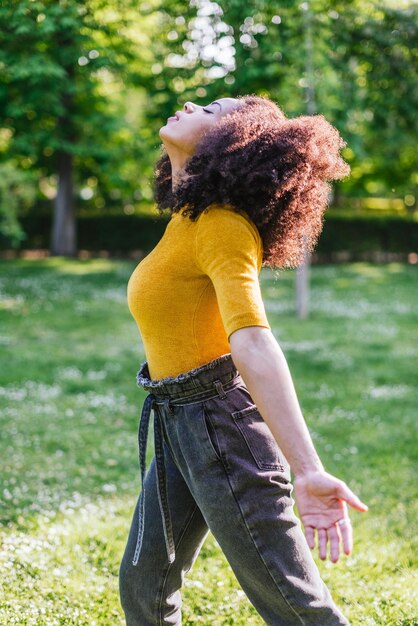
<point x="207" y="111"/>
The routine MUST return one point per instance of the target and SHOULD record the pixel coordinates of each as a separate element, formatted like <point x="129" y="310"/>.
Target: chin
<point x="168" y="136"/>
<point x="164" y="131"/>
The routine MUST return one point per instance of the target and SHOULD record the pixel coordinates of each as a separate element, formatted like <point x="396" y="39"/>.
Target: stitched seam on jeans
<point x="260" y="464"/>
<point x="206" y="419"/>
<point x="181" y="537"/>
<point x="201" y="399"/>
<point x="261" y="558"/>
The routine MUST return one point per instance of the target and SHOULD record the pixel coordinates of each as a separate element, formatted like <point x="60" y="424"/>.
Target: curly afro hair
<point x="276" y="169"/>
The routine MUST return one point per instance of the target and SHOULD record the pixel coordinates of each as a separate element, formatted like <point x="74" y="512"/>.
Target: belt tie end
<point x="149" y="405"/>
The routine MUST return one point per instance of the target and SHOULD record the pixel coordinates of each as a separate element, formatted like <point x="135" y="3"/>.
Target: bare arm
<point x="321" y="498"/>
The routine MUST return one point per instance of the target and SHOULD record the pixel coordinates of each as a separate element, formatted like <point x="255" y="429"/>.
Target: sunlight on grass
<point x="69" y="414"/>
<point x="76" y="266"/>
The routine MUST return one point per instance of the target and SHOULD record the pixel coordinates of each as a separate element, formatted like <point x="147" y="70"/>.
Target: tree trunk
<point x="302" y="287"/>
<point x="302" y="272"/>
<point x="63" y="229"/>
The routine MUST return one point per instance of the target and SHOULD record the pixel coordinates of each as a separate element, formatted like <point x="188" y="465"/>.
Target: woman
<point x="245" y="186"/>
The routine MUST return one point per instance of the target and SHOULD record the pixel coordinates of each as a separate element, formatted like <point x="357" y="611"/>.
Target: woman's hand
<point x="320" y="497"/>
<point x="322" y="504"/>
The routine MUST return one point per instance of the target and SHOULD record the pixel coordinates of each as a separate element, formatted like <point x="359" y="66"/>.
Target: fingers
<point x="346" y="532"/>
<point x="310" y="536"/>
<point x="340" y="532"/>
<point x="334" y="542"/>
<point x="322" y="543"/>
<point x="345" y="493"/>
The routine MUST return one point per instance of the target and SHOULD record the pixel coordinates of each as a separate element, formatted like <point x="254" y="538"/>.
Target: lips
<point x="175" y="118"/>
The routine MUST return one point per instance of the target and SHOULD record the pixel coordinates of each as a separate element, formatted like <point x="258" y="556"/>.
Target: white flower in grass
<point x="96" y="374"/>
<point x="109" y="488"/>
<point x="69" y="373"/>
<point x="387" y="392"/>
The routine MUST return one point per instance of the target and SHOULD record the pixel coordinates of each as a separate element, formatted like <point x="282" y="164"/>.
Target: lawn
<point x="69" y="412"/>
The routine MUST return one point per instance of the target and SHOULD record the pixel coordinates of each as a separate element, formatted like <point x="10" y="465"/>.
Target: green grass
<point x="69" y="411"/>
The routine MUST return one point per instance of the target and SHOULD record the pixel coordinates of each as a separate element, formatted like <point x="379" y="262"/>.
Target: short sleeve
<point x="229" y="251"/>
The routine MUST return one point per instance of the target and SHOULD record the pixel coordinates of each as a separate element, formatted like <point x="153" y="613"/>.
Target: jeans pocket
<point x="259" y="439"/>
<point x="211" y="435"/>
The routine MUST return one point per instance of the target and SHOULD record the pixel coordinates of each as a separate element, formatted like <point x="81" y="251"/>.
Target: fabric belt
<point x="150" y="404"/>
<point x="199" y="384"/>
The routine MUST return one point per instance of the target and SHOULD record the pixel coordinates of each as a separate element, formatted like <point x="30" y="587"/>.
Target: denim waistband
<point x="200" y="382"/>
<point x="214" y="378"/>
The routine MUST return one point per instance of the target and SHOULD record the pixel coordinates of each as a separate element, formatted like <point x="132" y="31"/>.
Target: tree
<point x="85" y="86"/>
<point x="373" y="51"/>
<point x="17" y="187"/>
<point x="364" y="61"/>
<point x="57" y="58"/>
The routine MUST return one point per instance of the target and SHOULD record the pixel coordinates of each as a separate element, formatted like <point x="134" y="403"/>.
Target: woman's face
<point x="185" y="129"/>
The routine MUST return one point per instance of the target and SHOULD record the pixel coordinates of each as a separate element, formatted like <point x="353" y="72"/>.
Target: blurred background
<point x="84" y="88"/>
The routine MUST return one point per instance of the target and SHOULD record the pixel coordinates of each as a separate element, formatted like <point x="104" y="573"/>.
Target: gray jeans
<point x="218" y="467"/>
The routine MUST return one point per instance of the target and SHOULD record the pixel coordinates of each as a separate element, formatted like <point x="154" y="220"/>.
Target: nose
<point x="189" y="107"/>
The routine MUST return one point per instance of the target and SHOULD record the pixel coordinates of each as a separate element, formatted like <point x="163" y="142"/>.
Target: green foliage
<point x="354" y="62"/>
<point x="69" y="415"/>
<point x="17" y="190"/>
<point x="372" y="51"/>
<point x="65" y="67"/>
<point x="98" y="79"/>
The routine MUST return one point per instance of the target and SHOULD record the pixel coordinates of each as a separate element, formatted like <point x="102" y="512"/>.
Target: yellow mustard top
<point x="197" y="286"/>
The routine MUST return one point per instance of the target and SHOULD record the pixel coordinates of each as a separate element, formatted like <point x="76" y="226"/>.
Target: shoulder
<point x="226" y="236"/>
<point x="226" y="222"/>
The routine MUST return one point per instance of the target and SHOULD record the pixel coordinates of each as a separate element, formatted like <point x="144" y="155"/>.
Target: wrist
<point x="304" y="470"/>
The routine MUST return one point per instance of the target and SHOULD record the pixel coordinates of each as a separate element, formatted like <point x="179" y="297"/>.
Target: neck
<point x="178" y="164"/>
<point x="177" y="175"/>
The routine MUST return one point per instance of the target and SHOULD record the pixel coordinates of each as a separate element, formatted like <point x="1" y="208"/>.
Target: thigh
<point x="241" y="482"/>
<point x="150" y="590"/>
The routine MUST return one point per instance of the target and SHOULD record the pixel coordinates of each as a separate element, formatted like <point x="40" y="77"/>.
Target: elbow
<point x="252" y="347"/>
